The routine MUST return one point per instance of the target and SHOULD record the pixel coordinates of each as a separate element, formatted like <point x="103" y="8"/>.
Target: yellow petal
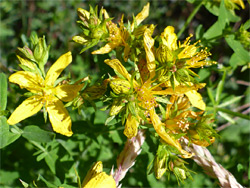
<point x="28" y="80"/>
<point x="148" y="45"/>
<point x="196" y="99"/>
<point x="101" y="180"/>
<point x="239" y="2"/>
<point x="141" y="16"/>
<point x="169" y="38"/>
<point x="106" y="49"/>
<point x="67" y="92"/>
<point x="159" y="128"/>
<point x="117" y="66"/>
<point x="105" y="13"/>
<point x="56" y="69"/>
<point x="95" y="178"/>
<point x="28" y="108"/>
<point x="131" y="127"/>
<point x="95" y="169"/>
<point x="59" y="117"/>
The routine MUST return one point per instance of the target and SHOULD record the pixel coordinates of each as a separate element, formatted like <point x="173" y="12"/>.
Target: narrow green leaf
<point x="109" y="119"/>
<point x="220" y="88"/>
<point x="40" y="177"/>
<point x="210" y="95"/>
<point x="246" y="25"/>
<point x="226" y="117"/>
<point x="25" y="185"/>
<point x="41" y="156"/>
<point x="231" y="101"/>
<point x="35" y="133"/>
<point x="3" y="91"/>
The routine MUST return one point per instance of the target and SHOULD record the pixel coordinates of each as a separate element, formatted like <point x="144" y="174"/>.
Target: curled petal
<point x="164" y="135"/>
<point x="59" y="117"/>
<point x="106" y="49"/>
<point x="98" y="179"/>
<point x="117" y="66"/>
<point x="141" y="16"/>
<point x="28" y="80"/>
<point x="28" y="108"/>
<point x="148" y="45"/>
<point x="196" y="99"/>
<point x="56" y="69"/>
<point x="131" y="127"/>
<point x="169" y="38"/>
<point x="101" y="180"/>
<point x="203" y="143"/>
<point x="67" y="92"/>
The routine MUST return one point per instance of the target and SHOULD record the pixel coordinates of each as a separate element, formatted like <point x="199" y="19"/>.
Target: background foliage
<point x="34" y="154"/>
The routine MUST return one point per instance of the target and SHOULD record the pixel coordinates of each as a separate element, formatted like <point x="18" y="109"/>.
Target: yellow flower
<point x="144" y="94"/>
<point x="46" y="93"/>
<point x="119" y="36"/>
<point x="96" y="178"/>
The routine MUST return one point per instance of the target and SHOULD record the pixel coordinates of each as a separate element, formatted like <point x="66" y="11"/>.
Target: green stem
<point x="191" y="16"/>
<point x="233" y="113"/>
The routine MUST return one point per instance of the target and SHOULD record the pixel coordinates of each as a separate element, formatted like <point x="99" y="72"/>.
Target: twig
<point x="204" y="159"/>
<point x="127" y="157"/>
<point x="228" y="124"/>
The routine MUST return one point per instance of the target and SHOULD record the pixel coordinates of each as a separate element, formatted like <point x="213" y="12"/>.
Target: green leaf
<point x="35" y="133"/>
<point x="40" y="177"/>
<point x="232" y="100"/>
<point x="109" y="119"/>
<point x="223" y="16"/>
<point x="3" y="91"/>
<point x="236" y="60"/>
<point x="240" y="167"/>
<point x="6" y="137"/>
<point x="26" y="185"/>
<point x="226" y="117"/>
<point x="210" y="95"/>
<point x="51" y="158"/>
<point x="203" y="74"/>
<point x="220" y="88"/>
<point x="214" y="31"/>
<point x="246" y="25"/>
<point x="41" y="156"/>
<point x="237" y="48"/>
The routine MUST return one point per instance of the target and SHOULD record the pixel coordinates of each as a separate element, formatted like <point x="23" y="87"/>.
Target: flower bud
<point x="116" y="107"/>
<point x="120" y="86"/>
<point x="163" y="54"/>
<point x="95" y="91"/>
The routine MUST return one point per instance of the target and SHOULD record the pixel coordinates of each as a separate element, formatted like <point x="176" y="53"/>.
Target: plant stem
<point x="191" y="16"/>
<point x="234" y="113"/>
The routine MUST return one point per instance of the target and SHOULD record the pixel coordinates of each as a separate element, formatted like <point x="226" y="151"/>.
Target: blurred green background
<point x="92" y="140"/>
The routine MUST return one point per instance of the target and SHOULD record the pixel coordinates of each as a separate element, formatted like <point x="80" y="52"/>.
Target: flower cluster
<point x="159" y="90"/>
<point x="154" y="85"/>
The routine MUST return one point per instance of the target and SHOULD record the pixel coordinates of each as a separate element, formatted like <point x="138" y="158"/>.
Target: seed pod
<point x="116" y="107"/>
<point x="160" y="166"/>
<point x="95" y="91"/>
<point x="119" y="85"/>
